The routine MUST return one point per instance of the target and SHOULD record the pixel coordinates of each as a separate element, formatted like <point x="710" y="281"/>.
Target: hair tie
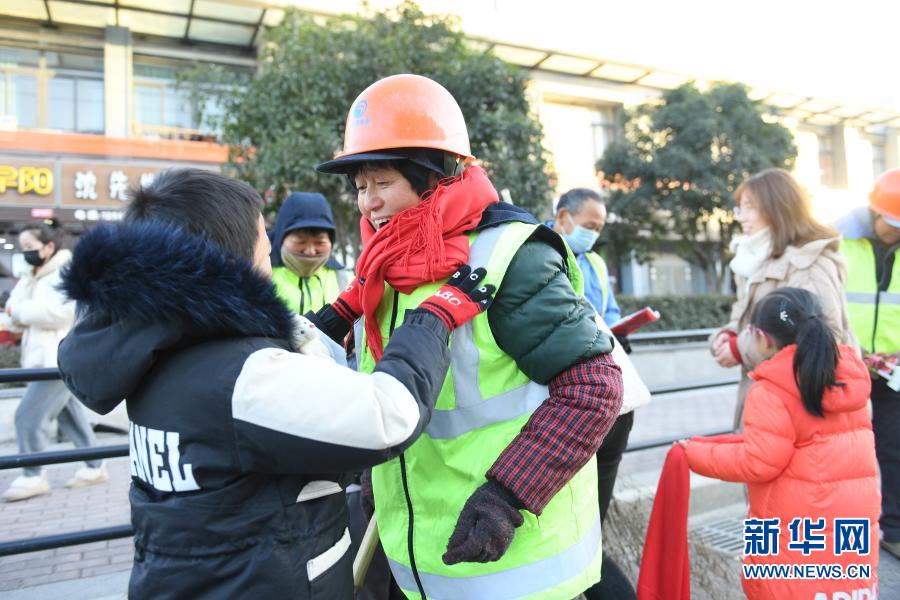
<point x="783" y="315"/>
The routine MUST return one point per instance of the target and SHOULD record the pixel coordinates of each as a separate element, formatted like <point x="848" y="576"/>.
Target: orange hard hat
<point x="885" y="198"/>
<point x="401" y="112"/>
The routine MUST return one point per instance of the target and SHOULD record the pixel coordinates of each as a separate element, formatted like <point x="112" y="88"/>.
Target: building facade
<point x="90" y="104"/>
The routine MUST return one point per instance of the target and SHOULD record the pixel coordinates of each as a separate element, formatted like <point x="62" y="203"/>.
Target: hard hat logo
<point x="359" y="119"/>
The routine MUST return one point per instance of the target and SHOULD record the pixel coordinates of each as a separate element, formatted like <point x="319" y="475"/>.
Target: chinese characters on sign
<point x="26" y="180"/>
<point x="101" y="186"/>
<point x="118" y="183"/>
<point x="86" y="190"/>
<point x="85" y="185"/>
<point x="761" y="536"/>
<point x="851" y="536"/>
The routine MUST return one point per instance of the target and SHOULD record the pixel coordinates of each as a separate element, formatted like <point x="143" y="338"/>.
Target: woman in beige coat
<point x="782" y="246"/>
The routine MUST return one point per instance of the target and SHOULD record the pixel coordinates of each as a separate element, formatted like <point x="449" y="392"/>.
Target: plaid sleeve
<point x="563" y="433"/>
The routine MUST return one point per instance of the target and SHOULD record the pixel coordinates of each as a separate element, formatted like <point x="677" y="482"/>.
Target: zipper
<point x="403" y="477"/>
<point x="302" y="295"/>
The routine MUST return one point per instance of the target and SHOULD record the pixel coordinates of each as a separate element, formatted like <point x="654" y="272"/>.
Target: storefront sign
<point x="102" y="185"/>
<point x="24" y="182"/>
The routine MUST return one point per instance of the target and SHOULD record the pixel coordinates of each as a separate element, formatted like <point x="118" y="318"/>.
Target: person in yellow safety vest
<point x="498" y="499"/>
<point x="580" y="218"/>
<point x="871" y="238"/>
<point x="306" y="275"/>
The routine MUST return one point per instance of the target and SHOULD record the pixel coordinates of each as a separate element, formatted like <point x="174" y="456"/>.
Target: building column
<point x="839" y="157"/>
<point x="892" y="148"/>
<point x="118" y="75"/>
<point x="858" y="156"/>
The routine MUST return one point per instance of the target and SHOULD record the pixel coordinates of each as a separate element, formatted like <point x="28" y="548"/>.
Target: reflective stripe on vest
<point x="883" y="298"/>
<point x="472" y="410"/>
<point x="874" y="316"/>
<point x="483" y="405"/>
<point x="513" y="583"/>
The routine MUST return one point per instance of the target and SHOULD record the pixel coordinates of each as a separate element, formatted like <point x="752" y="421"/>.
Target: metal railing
<point x="663" y="336"/>
<point x="121" y="450"/>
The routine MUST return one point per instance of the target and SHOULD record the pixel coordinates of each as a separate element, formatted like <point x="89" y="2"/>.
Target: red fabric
<point x="563" y="433"/>
<point x="422" y="244"/>
<point x="665" y="566"/>
<point x="735" y="352"/>
<point x="797" y="465"/>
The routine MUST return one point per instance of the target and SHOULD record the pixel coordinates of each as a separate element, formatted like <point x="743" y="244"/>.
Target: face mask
<point x="581" y="240"/>
<point x="33" y="258"/>
<point x="301" y="265"/>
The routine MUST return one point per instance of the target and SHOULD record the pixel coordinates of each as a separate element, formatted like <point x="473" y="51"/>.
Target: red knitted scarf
<point x="421" y="244"/>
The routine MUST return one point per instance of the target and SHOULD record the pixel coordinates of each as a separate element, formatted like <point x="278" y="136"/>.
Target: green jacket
<point x="525" y="317"/>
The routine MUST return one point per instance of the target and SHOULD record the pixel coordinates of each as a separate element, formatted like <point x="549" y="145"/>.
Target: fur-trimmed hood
<point x="145" y="288"/>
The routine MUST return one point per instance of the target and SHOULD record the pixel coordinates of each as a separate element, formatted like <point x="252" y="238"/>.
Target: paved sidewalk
<point x="63" y="511"/>
<point x="99" y="571"/>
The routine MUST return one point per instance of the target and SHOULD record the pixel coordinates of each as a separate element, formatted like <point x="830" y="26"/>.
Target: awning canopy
<point x="240" y="23"/>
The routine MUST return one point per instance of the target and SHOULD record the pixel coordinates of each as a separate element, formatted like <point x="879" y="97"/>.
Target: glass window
<point x="61" y="104"/>
<point x="163" y="105"/>
<point x="89" y="113"/>
<point x="25" y="100"/>
<point x="604" y="130"/>
<point x="826" y="157"/>
<point x="11" y="57"/>
<point x="148" y="104"/>
<point x="53" y="90"/>
<point x="178" y="109"/>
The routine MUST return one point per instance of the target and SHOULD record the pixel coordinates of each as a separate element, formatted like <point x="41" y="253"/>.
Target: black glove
<point x="485" y="527"/>
<point x="623" y="341"/>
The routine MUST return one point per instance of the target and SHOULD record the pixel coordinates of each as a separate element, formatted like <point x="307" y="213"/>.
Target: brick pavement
<point x="63" y="511"/>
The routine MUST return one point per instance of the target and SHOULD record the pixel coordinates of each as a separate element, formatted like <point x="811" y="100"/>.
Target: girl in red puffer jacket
<point x="807" y="451"/>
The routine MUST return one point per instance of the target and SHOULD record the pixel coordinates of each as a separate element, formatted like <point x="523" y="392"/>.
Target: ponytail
<point x="794" y="316"/>
<point x="814" y="363"/>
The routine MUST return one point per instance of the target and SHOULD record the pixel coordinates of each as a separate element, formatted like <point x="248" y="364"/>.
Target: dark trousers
<point x="613" y="582"/>
<point x="886" y="423"/>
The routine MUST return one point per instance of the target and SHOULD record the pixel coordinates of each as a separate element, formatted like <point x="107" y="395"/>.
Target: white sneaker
<point x="24" y="487"/>
<point x="86" y="476"/>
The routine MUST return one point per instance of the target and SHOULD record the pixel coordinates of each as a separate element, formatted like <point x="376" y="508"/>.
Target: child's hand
<point x="683" y="443"/>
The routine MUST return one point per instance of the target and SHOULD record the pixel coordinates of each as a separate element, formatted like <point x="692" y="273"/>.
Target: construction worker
<point x="305" y="273"/>
<point x="580" y="218"/>
<point x="499" y="497"/>
<point x="871" y="237"/>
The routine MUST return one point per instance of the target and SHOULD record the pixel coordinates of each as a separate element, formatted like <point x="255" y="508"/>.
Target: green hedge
<point x="681" y="312"/>
<point x="10" y="357"/>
